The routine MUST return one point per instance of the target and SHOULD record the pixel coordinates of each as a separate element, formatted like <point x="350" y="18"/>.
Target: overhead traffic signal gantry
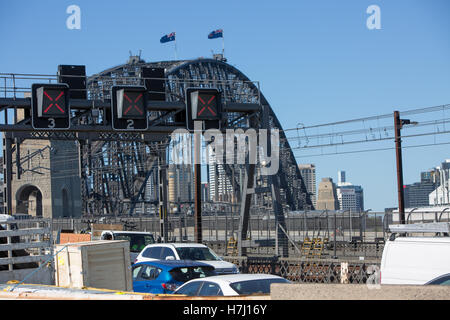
<point x="129" y="108"/>
<point x="50" y="106"/>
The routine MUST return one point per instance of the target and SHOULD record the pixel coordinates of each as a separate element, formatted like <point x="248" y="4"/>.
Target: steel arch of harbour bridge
<point x="236" y="87"/>
<point x="122" y="158"/>
<point x="115" y="174"/>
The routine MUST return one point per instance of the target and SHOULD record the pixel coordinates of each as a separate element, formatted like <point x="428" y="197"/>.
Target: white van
<point x="416" y="261"/>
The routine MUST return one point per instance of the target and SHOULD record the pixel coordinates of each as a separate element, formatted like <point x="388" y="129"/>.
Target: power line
<point x="367" y="140"/>
<point x="372" y="150"/>
<point x="377" y="117"/>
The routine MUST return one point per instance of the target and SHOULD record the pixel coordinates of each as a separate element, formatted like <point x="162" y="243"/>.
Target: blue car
<point x="165" y="276"/>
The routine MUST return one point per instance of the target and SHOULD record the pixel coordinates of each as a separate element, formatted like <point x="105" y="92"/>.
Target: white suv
<point x="186" y="251"/>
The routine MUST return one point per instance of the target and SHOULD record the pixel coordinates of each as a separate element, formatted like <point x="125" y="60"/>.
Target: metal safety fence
<point x="309" y="235"/>
<point x="25" y="248"/>
<point x="303" y="271"/>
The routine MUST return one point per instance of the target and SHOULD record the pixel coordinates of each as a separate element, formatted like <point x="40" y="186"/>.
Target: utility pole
<point x="398" y="155"/>
<point x="398" y="124"/>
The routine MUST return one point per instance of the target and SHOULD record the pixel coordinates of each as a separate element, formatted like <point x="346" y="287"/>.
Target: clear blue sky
<point x="317" y="62"/>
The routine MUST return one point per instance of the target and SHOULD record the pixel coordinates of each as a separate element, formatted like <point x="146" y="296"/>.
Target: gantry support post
<point x="162" y="176"/>
<point x="7" y="173"/>
<point x="198" y="232"/>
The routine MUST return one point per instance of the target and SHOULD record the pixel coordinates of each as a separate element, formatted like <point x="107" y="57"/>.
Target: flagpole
<point x="176" y="54"/>
<point x="223" y="45"/>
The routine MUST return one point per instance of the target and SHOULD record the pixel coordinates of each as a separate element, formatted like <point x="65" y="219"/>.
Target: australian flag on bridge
<point x="168" y="37"/>
<point x="216" y="34"/>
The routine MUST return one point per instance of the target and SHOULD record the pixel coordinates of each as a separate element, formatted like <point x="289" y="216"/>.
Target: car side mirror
<point x="170" y="258"/>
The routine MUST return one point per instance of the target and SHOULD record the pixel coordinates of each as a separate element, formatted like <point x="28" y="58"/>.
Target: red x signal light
<point x="205" y="104"/>
<point x="50" y="106"/>
<point x="131" y="104"/>
<point x="55" y="102"/>
<point x="129" y="108"/>
<point x="208" y="106"/>
<point x="52" y="102"/>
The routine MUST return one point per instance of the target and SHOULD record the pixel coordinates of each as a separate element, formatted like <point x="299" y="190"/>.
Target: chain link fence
<point x="304" y="271"/>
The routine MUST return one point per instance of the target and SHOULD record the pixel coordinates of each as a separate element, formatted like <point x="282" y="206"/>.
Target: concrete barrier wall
<point x="38" y="276"/>
<point x="33" y="291"/>
<point x="357" y="292"/>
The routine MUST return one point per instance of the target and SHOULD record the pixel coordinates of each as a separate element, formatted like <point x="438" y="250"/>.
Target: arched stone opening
<point x="29" y="201"/>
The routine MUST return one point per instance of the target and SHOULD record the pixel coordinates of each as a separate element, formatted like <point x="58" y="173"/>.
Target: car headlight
<point x="235" y="269"/>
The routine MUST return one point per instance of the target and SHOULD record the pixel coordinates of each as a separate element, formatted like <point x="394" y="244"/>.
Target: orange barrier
<point x="73" y="237"/>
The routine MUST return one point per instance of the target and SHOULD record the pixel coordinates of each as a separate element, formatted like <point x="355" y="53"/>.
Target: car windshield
<point x="184" y="274"/>
<point x="261" y="286"/>
<point x="137" y="241"/>
<point x="197" y="253"/>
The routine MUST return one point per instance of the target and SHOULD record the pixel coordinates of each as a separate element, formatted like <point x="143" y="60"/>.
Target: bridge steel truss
<point x="116" y="166"/>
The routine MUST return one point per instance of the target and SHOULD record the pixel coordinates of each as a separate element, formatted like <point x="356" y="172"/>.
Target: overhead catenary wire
<point x="69" y="156"/>
<point x="376" y="117"/>
<point x="113" y="168"/>
<point x="373" y="150"/>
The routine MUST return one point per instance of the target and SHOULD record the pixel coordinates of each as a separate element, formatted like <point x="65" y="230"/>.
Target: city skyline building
<point x="220" y="187"/>
<point x="341" y="177"/>
<point x="327" y="197"/>
<point x="308" y="173"/>
<point x="441" y="176"/>
<point x="180" y="183"/>
<point x="417" y="194"/>
<point x="205" y="191"/>
<point x="350" y="196"/>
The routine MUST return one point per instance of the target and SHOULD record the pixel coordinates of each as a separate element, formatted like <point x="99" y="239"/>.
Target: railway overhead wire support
<point x="398" y="124"/>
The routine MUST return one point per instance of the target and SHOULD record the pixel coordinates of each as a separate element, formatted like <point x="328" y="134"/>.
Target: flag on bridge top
<point x="216" y="34"/>
<point x="168" y="37"/>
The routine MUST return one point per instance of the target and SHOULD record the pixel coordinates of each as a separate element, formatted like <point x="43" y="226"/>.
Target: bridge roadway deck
<point x="45" y="292"/>
<point x="278" y="292"/>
